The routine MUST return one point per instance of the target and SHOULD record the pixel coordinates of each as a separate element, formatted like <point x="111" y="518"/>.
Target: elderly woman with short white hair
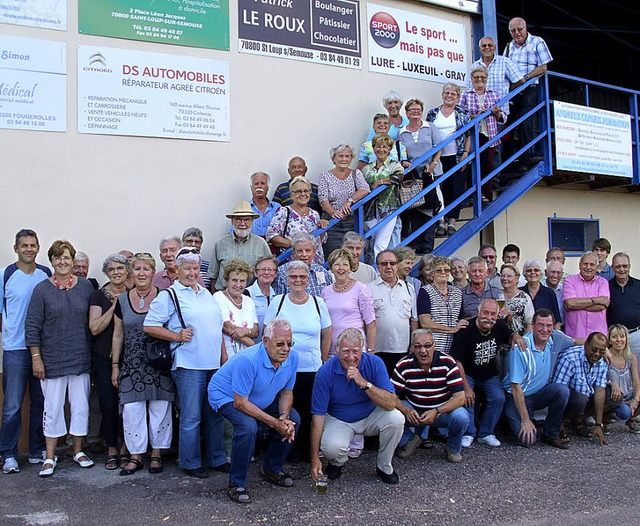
<point x="200" y="354"/>
<point x="338" y="189"/>
<point x="392" y="102"/>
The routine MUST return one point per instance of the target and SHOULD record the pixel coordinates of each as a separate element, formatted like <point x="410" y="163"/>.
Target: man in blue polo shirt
<point x="17" y="282"/>
<point x="352" y="395"/>
<point x="529" y="385"/>
<point x="255" y="388"/>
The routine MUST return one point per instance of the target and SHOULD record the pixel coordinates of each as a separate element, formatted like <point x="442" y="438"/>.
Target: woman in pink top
<point x="350" y="305"/>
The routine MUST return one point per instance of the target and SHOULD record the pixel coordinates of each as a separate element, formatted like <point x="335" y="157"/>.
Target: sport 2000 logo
<point x="384" y="30"/>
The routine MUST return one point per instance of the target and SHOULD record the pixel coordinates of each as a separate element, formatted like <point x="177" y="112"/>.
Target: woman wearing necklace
<point x="57" y="334"/>
<point x="440" y="306"/>
<point x="338" y="189"/>
<point x="350" y="305"/>
<point x="298" y="217"/>
<point x="145" y="393"/>
<point x="311" y="324"/>
<point x="449" y="118"/>
<point x="623" y="392"/>
<point x="198" y="356"/>
<point x="518" y="310"/>
<point x="238" y="310"/>
<point x="101" y="308"/>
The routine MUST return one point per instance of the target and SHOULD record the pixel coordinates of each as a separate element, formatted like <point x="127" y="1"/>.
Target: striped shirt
<point x="528" y="57"/>
<point x="427" y="389"/>
<point x="445" y="311"/>
<point x="573" y="369"/>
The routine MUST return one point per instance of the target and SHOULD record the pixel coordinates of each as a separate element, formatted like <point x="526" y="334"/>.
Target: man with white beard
<point x="239" y="244"/>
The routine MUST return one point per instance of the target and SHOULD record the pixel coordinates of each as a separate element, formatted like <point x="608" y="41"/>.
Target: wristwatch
<point x="438" y="411"/>
<point x="367" y="387"/>
<point x="350" y="200"/>
<point x="526" y="77"/>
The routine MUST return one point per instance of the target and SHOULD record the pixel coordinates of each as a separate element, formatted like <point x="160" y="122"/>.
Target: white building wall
<point x="107" y="193"/>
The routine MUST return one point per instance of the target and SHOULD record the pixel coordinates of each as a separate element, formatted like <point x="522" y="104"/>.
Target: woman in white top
<point x="240" y="329"/>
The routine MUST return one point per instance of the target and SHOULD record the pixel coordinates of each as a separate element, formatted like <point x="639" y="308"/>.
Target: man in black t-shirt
<point x="476" y="350"/>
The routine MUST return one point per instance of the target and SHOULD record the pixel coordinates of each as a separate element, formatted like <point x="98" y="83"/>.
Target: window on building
<point x="573" y="235"/>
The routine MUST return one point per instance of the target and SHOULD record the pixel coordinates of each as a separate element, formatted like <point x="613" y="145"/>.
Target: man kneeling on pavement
<point x="432" y="393"/>
<point x="352" y="395"/>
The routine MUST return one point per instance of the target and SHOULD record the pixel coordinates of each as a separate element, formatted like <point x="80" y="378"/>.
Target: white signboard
<point x="33" y="84"/>
<point x="592" y="140"/>
<point x="123" y="92"/>
<point x="51" y="14"/>
<point x="417" y="46"/>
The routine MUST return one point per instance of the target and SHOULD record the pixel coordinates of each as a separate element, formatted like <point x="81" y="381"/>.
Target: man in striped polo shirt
<point x="430" y="392"/>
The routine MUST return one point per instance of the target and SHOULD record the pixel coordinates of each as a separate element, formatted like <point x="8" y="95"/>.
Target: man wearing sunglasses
<point x="253" y="390"/>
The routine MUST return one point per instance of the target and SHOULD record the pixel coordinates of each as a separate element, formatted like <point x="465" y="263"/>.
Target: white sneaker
<point x="37" y="459"/>
<point x="490" y="440"/>
<point x="590" y="421"/>
<point x="11" y="466"/>
<point x="467" y="440"/>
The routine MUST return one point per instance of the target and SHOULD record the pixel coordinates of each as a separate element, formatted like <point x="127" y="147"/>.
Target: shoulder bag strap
<point x="176" y="304"/>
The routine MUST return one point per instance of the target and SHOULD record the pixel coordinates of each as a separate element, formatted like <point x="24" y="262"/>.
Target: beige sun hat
<point x="242" y="209"/>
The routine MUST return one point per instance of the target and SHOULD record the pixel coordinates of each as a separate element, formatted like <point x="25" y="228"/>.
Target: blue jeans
<point x="493" y="409"/>
<point x="553" y="396"/>
<point x="17" y="374"/>
<point x="455" y="422"/>
<point x="196" y="415"/>
<point x="245" y="430"/>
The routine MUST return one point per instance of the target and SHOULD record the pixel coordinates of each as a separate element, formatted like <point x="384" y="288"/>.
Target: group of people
<point x="298" y="360"/>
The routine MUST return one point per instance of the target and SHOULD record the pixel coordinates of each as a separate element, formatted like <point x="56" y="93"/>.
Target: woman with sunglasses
<point x="297" y="217"/>
<point x="101" y="314"/>
<point x="311" y="325"/>
<point x="440" y="305"/>
<point x="199" y="355"/>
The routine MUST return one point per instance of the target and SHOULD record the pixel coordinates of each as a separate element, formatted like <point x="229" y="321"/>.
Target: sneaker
<point x="490" y="440"/>
<point x="409" y="448"/>
<point x="11" y="466"/>
<point x="38" y="459"/>
<point x="590" y="421"/>
<point x="455" y="458"/>
<point x="467" y="440"/>
<point x="333" y="472"/>
<point x="354" y="453"/>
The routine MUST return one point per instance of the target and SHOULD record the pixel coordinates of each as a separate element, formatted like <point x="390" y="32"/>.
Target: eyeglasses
<point x="517" y="30"/>
<point x="418" y="346"/>
<point x="301" y="192"/>
<point x="487" y="45"/>
<point x="266" y="269"/>
<point x="442" y="270"/>
<point x="188" y="250"/>
<point x="62" y="258"/>
<point x="387" y="263"/>
<point x="479" y="77"/>
<point x="415" y="109"/>
<point x="282" y="345"/>
<point x="121" y="268"/>
<point x="297" y="277"/>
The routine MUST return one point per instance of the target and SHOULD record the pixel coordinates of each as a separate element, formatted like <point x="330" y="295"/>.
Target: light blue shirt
<point x="202" y="314"/>
<point x="251" y="374"/>
<point x="261" y="302"/>
<point x="14" y="300"/>
<point x="307" y="325"/>
<point x="530" y="368"/>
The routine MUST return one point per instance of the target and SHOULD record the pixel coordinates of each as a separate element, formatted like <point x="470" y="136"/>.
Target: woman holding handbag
<point x="419" y="137"/>
<point x="145" y="393"/>
<point x="195" y="322"/>
<point x="382" y="171"/>
<point x="298" y="217"/>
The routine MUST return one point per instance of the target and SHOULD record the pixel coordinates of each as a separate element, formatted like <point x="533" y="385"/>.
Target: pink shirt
<point x="581" y="323"/>
<point x="350" y="309"/>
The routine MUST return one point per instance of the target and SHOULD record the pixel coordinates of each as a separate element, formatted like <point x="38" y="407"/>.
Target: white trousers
<point x="338" y="434"/>
<point x="382" y="237"/>
<point x="140" y="432"/>
<point x="55" y="390"/>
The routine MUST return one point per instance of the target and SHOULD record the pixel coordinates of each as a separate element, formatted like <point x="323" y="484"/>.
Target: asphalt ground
<point x="587" y="484"/>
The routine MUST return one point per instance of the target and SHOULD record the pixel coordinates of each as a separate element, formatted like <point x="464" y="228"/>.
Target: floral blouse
<point x="297" y="223"/>
<point x="386" y="201"/>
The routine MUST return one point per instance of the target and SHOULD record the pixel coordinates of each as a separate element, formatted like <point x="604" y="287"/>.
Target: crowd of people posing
<point x="310" y="360"/>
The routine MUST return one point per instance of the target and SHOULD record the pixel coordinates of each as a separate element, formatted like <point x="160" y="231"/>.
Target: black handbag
<point x="158" y="352"/>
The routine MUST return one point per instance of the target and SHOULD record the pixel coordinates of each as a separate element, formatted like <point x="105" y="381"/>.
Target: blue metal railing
<point x="542" y="141"/>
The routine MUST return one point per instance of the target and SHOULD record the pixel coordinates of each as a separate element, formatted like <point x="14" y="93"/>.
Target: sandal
<point x="279" y="478"/>
<point x="111" y="463"/>
<point x="238" y="494"/>
<point x="154" y="470"/>
<point x="138" y="466"/>
<point x="48" y="471"/>
<point x="82" y="463"/>
<point x="124" y="460"/>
